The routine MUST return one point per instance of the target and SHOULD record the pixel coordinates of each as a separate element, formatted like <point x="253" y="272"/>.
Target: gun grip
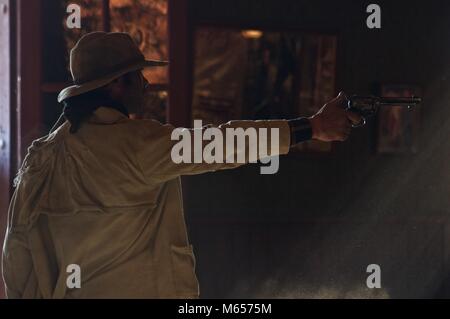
<point x="350" y="108"/>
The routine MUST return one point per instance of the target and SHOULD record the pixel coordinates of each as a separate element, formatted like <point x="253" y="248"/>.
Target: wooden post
<point x="106" y="16"/>
<point x="29" y="75"/>
<point x="181" y="59"/>
<point x="5" y="118"/>
<point x="20" y="95"/>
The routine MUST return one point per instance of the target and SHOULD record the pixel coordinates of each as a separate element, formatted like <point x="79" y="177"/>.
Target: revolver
<point x="367" y="106"/>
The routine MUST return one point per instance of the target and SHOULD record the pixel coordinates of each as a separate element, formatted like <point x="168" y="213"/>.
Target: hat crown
<point x="98" y="54"/>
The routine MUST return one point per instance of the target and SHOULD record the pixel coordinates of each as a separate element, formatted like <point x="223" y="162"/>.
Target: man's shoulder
<point x="47" y="141"/>
<point x="146" y="126"/>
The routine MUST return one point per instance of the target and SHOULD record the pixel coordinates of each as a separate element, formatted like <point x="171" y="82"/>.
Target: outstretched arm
<point x="165" y="152"/>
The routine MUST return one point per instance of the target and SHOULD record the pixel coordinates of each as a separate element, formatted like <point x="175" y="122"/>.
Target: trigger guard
<point x="360" y="124"/>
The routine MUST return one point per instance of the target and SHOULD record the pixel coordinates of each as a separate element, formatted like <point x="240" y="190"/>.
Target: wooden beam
<point x="5" y="119"/>
<point x="181" y="59"/>
<point x="29" y="75"/>
<point x="106" y="16"/>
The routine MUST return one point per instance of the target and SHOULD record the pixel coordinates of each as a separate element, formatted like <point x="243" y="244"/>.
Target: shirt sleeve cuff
<point x="301" y="130"/>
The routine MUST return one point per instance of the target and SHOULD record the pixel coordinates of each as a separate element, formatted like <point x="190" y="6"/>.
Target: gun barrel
<point x="400" y="101"/>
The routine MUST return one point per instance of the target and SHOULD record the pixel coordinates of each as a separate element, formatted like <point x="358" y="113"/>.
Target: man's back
<point x="84" y="200"/>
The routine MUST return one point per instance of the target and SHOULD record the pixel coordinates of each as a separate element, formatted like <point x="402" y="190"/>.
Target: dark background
<point x="312" y="229"/>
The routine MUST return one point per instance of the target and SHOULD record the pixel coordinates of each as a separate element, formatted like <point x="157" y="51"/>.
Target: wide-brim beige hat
<point x="99" y="58"/>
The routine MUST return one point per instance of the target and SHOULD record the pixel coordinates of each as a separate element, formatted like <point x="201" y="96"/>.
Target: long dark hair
<point x="78" y="109"/>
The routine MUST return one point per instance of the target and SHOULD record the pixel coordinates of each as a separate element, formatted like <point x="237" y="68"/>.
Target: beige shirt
<point x="107" y="198"/>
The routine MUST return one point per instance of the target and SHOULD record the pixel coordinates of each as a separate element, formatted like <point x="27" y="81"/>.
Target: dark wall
<point x="312" y="229"/>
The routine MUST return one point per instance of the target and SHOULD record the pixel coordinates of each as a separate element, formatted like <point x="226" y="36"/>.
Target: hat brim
<point x="75" y="90"/>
